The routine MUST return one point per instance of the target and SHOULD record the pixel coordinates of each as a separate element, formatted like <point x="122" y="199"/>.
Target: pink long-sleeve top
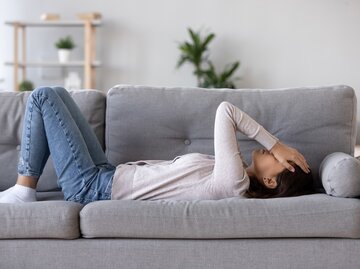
<point x="196" y="176"/>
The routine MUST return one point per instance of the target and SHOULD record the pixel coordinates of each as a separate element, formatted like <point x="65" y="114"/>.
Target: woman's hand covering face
<point x="284" y="153"/>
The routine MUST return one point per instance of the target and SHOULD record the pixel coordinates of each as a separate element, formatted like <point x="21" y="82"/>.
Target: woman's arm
<point x="228" y="164"/>
<point x="229" y="170"/>
<point x="248" y="126"/>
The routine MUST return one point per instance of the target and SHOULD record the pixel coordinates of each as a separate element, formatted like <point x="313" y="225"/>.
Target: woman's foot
<point x="18" y="194"/>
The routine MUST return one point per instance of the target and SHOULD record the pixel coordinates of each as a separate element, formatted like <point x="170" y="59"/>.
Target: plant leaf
<point x="229" y="71"/>
<point x="182" y="60"/>
<point x="195" y="37"/>
<point x="207" y="40"/>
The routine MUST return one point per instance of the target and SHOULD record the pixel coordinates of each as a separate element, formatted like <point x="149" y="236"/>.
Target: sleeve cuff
<point x="265" y="138"/>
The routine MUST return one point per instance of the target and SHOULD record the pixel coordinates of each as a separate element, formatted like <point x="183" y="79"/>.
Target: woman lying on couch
<point x="53" y="124"/>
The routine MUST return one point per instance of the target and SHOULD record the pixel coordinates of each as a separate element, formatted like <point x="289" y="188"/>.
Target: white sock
<point x="18" y="194"/>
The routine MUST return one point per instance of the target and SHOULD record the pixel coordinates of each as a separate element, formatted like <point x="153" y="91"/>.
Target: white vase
<point x="64" y="55"/>
<point x="73" y="81"/>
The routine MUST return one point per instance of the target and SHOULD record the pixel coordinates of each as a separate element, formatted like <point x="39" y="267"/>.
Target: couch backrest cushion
<point x="12" y="109"/>
<point x="160" y="123"/>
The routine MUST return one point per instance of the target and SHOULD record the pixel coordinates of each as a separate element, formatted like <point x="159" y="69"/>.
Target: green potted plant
<point x="196" y="53"/>
<point x="26" y="85"/>
<point x="64" y="46"/>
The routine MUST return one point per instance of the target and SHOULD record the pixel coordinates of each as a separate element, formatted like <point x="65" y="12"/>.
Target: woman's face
<point x="266" y="167"/>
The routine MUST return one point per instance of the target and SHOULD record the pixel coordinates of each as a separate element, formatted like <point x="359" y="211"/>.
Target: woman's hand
<point x="284" y="153"/>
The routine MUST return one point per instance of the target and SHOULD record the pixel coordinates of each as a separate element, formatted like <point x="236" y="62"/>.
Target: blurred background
<point x="279" y="43"/>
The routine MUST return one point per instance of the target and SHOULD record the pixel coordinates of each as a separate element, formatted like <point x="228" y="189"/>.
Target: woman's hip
<point x="97" y="187"/>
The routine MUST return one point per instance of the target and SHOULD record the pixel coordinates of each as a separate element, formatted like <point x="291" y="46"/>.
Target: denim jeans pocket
<point x="98" y="189"/>
<point x="91" y="196"/>
<point x="87" y="196"/>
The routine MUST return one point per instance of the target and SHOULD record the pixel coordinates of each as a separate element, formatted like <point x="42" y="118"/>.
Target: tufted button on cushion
<point x="187" y="142"/>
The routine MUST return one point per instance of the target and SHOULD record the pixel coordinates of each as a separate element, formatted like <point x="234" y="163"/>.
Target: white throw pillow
<point x="340" y="175"/>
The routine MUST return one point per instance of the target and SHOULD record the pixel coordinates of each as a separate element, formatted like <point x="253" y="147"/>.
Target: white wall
<point x="280" y="43"/>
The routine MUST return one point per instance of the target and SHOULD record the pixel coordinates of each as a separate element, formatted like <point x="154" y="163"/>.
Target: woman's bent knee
<point x="47" y="92"/>
<point x="59" y="89"/>
<point x="41" y="92"/>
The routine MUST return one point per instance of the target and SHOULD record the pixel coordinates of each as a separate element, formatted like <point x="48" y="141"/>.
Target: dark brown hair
<point x="288" y="184"/>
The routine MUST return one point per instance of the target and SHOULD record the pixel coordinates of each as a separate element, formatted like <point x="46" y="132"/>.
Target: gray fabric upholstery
<point x="340" y="175"/>
<point x="316" y="215"/>
<point x="140" y="125"/>
<point x="285" y="253"/>
<point x="160" y="123"/>
<point x="41" y="219"/>
<point x="49" y="195"/>
<point x="12" y="107"/>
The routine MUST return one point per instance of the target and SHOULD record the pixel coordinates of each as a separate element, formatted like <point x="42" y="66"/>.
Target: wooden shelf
<point x="59" y="23"/>
<point x="21" y="64"/>
<point x="53" y="64"/>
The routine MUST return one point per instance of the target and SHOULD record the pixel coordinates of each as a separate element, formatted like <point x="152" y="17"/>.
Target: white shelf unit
<point x="89" y="64"/>
<point x="53" y="64"/>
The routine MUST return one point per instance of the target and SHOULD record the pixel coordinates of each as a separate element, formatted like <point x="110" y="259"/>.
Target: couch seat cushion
<point x="315" y="215"/>
<point x="40" y="219"/>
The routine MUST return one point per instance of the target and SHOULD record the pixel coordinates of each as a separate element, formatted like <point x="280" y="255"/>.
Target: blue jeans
<point x="54" y="124"/>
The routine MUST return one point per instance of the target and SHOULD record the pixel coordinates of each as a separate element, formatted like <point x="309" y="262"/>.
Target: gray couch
<point x="138" y="122"/>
